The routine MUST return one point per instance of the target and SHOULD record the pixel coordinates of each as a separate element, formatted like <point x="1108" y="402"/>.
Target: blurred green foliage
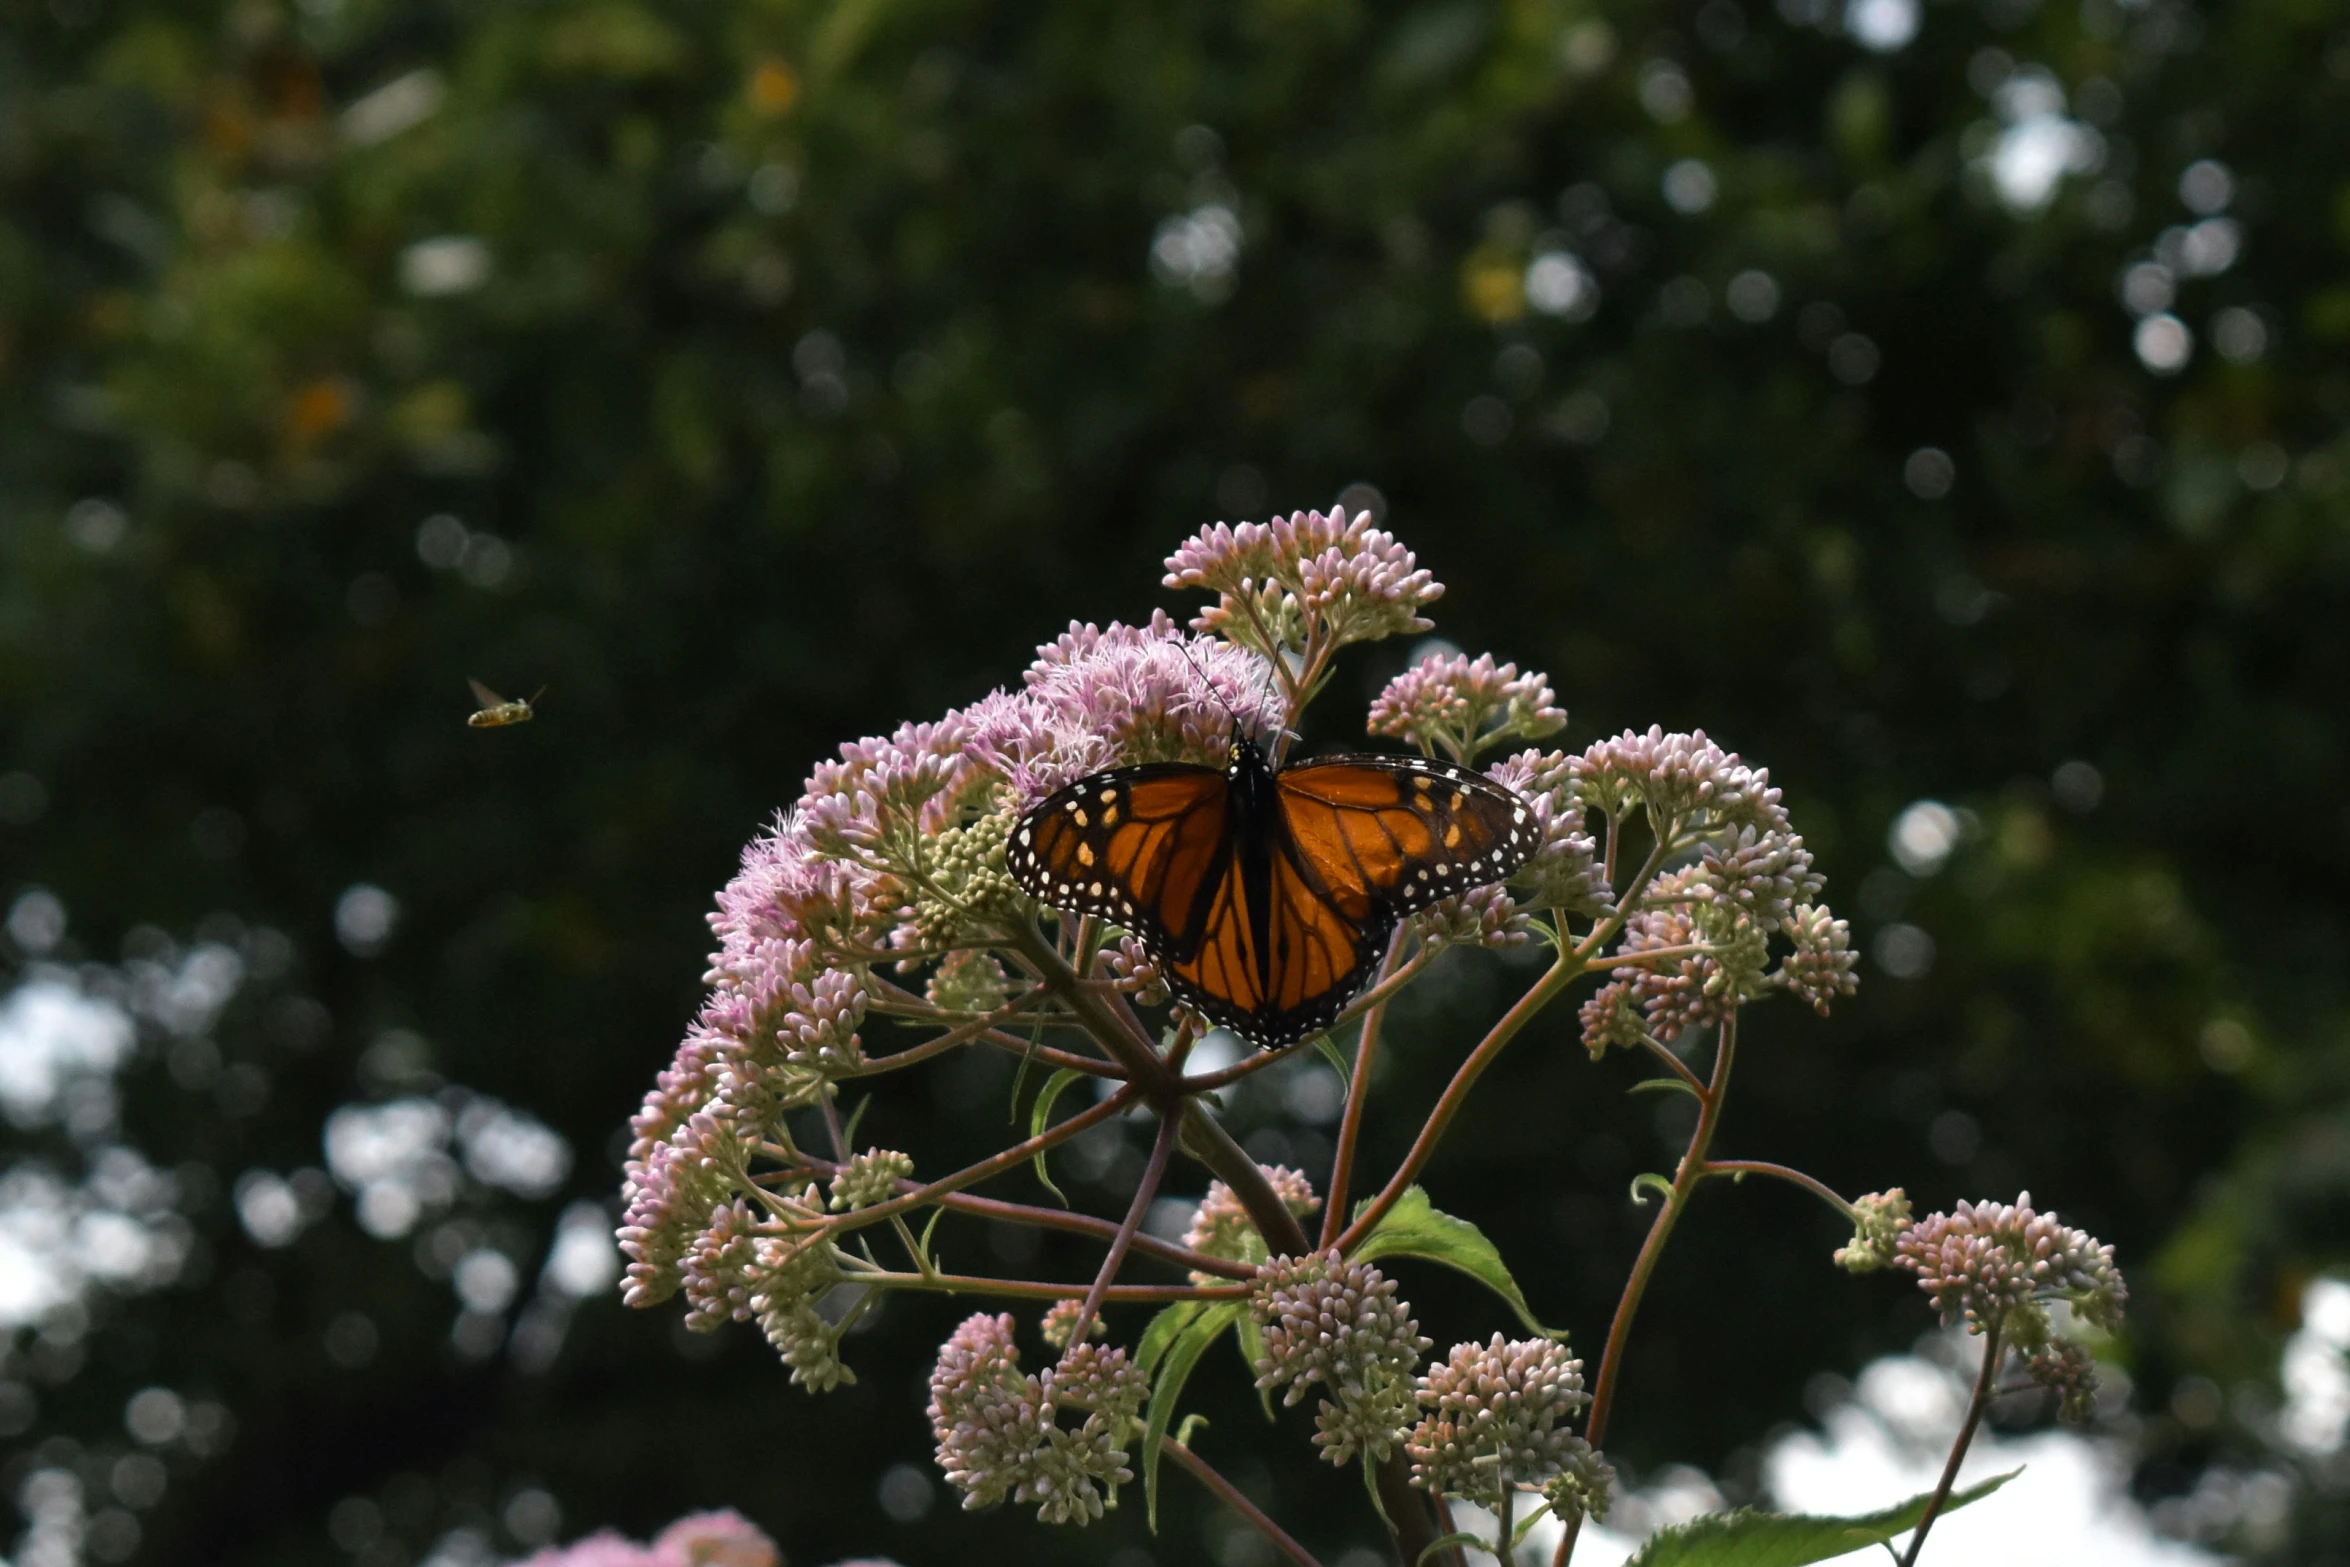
<point x="789" y="370"/>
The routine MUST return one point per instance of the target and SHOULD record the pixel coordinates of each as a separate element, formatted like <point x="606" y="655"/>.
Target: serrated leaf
<point x="1747" y="1538"/>
<point x="1051" y="1091"/>
<point x="1174" y="1370"/>
<point x="1162" y="1330"/>
<point x="1415" y="1227"/>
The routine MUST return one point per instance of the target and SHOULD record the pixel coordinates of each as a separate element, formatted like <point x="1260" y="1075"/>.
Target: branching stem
<point x="1144" y="1190"/>
<point x="1041" y="1289"/>
<point x="1966" y="1437"/>
<point x="1552" y="984"/>
<point x="985" y="1169"/>
<point x="1692" y="1170"/>
<point x="1658" y="1049"/>
<point x="1229" y="1494"/>
<point x="1350" y="1125"/>
<point x="1819" y="1189"/>
<point x="1035" y="1217"/>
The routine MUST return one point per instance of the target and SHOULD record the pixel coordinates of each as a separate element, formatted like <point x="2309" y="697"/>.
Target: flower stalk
<point x="1976" y="1407"/>
<point x="1686" y="1177"/>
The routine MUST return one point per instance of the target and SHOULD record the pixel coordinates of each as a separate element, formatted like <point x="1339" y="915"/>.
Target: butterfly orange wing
<point x="1270" y="931"/>
<point x="1395" y="834"/>
<point x="1136" y="845"/>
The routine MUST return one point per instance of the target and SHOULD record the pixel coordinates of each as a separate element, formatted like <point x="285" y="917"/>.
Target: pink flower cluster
<point x="1460" y="706"/>
<point x="1127" y="694"/>
<point x="1002" y="1433"/>
<point x="1676" y="777"/>
<point x="1309" y="572"/>
<point x="1495" y="1419"/>
<point x="1339" y="1323"/>
<point x="1222" y="1228"/>
<point x="1987" y="1261"/>
<point x="853" y="872"/>
<point x="720" y="1539"/>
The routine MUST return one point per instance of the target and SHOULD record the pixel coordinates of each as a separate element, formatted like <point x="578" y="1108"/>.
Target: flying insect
<point x="496" y="712"/>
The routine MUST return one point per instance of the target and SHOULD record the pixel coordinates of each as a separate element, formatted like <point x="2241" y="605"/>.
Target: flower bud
<point x="870" y="1177"/>
<point x="1878" y="1220"/>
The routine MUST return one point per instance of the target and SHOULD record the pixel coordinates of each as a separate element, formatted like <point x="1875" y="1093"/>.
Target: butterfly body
<point x="1266" y="897"/>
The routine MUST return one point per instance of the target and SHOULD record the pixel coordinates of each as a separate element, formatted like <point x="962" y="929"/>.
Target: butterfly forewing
<point x="1269" y="917"/>
<point x="1136" y="845"/>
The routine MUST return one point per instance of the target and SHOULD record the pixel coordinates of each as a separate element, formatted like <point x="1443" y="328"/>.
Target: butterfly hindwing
<point x="1402" y="832"/>
<point x="1267" y="898"/>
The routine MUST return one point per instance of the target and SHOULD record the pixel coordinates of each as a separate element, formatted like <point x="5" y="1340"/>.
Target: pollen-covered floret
<point x="1495" y="1418"/>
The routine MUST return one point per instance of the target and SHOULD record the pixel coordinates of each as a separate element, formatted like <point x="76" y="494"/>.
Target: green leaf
<point x="1162" y="1331"/>
<point x="1337" y="1058"/>
<point x="1747" y="1538"/>
<point x="1251" y="1342"/>
<point x="922" y="1249"/>
<point x="1457" y="1537"/>
<point x="1661" y="1085"/>
<point x="1051" y="1091"/>
<point x="1526" y="1525"/>
<point x="1035" y="1038"/>
<point x="1415" y="1228"/>
<point x="1647" y="1180"/>
<point x="1183" y="1354"/>
<point x="848" y="1133"/>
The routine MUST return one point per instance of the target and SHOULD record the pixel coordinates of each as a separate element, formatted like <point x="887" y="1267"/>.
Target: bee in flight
<point x="496" y="712"/>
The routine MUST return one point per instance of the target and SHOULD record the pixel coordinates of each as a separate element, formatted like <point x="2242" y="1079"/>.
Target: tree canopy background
<point x="1932" y="404"/>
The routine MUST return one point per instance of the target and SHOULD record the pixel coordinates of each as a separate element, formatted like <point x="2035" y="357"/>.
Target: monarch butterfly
<point x="1266" y="898"/>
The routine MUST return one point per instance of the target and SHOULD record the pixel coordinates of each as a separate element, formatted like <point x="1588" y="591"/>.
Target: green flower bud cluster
<point x="870" y="1177"/>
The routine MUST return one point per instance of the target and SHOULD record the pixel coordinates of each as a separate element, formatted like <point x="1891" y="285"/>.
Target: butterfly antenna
<point x="1200" y="670"/>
